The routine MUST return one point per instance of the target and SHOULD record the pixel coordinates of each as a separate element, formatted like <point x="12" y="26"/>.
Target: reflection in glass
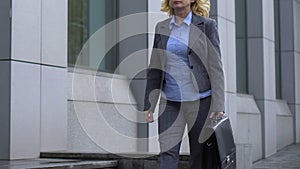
<point x="85" y="17"/>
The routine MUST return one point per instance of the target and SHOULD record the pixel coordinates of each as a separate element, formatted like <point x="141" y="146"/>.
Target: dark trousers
<point x="173" y="117"/>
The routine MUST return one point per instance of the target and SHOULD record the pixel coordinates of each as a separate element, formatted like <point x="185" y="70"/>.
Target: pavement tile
<point x="288" y="158"/>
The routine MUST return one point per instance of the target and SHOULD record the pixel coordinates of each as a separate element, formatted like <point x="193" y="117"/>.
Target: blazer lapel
<point x="164" y="34"/>
<point x="196" y="26"/>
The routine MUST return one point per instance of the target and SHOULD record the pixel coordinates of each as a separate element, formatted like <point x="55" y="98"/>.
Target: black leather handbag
<point x="219" y="148"/>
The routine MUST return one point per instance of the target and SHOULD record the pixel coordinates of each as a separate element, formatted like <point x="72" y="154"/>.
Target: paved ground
<point x="288" y="158"/>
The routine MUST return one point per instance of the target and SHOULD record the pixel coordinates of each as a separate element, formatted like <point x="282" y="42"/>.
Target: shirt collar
<point x="187" y="20"/>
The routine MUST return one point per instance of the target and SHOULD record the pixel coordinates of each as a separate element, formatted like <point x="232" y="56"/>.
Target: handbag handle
<point x="216" y="120"/>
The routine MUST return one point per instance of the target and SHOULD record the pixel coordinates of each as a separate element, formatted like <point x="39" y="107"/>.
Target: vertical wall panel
<point x="286" y="25"/>
<point x="54" y="32"/>
<point x="5" y="26"/>
<point x="5" y="43"/>
<point x="5" y="109"/>
<point x="297" y="25"/>
<point x="53" y="109"/>
<point x="26" y="30"/>
<point x="254" y="18"/>
<point x="25" y="110"/>
<point x="54" y="76"/>
<point x="268" y="19"/>
<point x="261" y="67"/>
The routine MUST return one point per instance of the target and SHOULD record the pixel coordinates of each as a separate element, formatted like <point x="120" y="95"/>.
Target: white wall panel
<point x="26" y="30"/>
<point x="269" y="69"/>
<point x="297" y="124"/>
<point x="228" y="51"/>
<point x="297" y="96"/>
<point x="25" y="110"/>
<point x="250" y="132"/>
<point x="226" y="9"/>
<point x="53" y="109"/>
<point x="54" y="32"/>
<point x="285" y="131"/>
<point x="268" y="19"/>
<point x="296" y="8"/>
<point x="268" y="126"/>
<point x="98" y="127"/>
<point x="92" y="86"/>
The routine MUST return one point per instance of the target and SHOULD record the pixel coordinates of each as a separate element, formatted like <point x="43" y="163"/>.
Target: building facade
<point x="73" y="74"/>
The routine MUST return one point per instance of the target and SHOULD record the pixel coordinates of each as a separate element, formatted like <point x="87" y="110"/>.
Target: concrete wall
<point x="54" y="74"/>
<point x="296" y="109"/>
<point x="5" y="76"/>
<point x="261" y="67"/>
<point x="25" y="79"/>
<point x="35" y="56"/>
<point x="102" y="113"/>
<point x="255" y="117"/>
<point x="5" y="109"/>
<point x="289" y="51"/>
<point x="5" y="28"/>
<point x="285" y="125"/>
<point x="249" y="128"/>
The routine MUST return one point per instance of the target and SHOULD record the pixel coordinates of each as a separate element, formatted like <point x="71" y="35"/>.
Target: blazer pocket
<point x="194" y="81"/>
<point x="201" y="81"/>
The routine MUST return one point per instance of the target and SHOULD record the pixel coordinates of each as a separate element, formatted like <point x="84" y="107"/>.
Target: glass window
<point x="85" y="17"/>
<point x="241" y="46"/>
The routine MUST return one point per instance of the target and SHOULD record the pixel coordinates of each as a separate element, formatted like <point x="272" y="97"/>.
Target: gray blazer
<point x="204" y="57"/>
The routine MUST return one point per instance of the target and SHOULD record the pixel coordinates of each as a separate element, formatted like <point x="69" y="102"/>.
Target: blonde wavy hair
<point x="199" y="7"/>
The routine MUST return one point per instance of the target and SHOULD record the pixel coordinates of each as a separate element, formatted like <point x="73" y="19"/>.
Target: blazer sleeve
<point x="215" y="67"/>
<point x="154" y="75"/>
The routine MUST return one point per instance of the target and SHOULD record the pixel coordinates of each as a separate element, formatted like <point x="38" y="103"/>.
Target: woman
<point x="186" y="70"/>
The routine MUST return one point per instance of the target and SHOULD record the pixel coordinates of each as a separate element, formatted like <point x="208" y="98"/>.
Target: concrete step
<point x="55" y="163"/>
<point x="125" y="161"/>
<point x="81" y="165"/>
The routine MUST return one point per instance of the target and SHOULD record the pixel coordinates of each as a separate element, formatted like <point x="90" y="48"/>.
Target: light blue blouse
<point x="178" y="84"/>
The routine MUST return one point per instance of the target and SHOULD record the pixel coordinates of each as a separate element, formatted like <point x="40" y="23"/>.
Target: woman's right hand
<point x="149" y="116"/>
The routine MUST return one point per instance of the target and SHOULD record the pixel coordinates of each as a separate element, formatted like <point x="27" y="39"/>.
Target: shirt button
<point x="192" y="67"/>
<point x="190" y="52"/>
